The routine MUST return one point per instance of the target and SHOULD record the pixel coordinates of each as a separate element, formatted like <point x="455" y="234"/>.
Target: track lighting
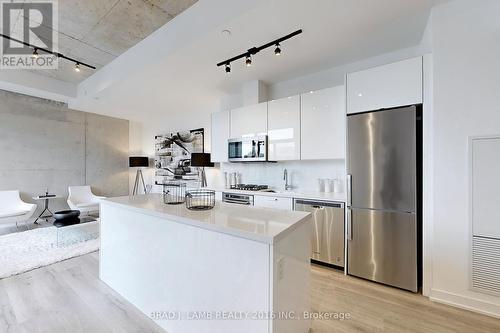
<point x="277" y="50"/>
<point x="48" y="52"/>
<point x="254" y="50"/>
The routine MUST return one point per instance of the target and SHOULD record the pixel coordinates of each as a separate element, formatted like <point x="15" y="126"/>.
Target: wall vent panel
<point x="486" y="264"/>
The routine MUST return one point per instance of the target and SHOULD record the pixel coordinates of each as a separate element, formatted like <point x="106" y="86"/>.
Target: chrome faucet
<point x="288" y="187"/>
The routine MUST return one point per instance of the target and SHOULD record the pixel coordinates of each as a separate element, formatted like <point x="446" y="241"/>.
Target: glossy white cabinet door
<point x="323" y="124"/>
<point x="220" y="135"/>
<point x="273" y="202"/>
<point x="283" y="120"/>
<point x="387" y="86"/>
<point x="249" y="121"/>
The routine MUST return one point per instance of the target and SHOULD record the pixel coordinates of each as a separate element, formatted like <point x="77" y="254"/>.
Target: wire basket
<point x="174" y="193"/>
<point x="200" y="199"/>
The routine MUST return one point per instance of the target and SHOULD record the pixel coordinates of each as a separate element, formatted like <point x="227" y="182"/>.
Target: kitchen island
<point x="230" y="269"/>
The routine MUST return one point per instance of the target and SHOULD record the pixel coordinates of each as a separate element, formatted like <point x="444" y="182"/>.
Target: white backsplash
<point x="303" y="174"/>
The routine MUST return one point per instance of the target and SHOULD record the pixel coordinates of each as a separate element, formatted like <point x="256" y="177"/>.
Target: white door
<point x="323" y="124"/>
<point x="284" y="129"/>
<point x="392" y="85"/>
<point x="220" y="135"/>
<point x="249" y="121"/>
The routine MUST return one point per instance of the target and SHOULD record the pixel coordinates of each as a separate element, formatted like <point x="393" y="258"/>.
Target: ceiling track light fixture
<point x="254" y="50"/>
<point x="77" y="67"/>
<point x="277" y="50"/>
<point x="248" y="60"/>
<point x="47" y="51"/>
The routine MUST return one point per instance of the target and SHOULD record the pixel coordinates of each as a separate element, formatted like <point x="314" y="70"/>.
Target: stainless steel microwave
<point x="251" y="149"/>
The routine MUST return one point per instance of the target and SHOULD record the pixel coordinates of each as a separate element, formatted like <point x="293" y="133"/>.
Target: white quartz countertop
<point x="264" y="225"/>
<point x="325" y="196"/>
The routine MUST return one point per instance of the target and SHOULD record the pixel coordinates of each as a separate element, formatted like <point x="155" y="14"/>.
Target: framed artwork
<point x="173" y="155"/>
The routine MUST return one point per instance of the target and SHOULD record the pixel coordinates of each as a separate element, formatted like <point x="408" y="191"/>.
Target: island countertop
<point x="264" y="225"/>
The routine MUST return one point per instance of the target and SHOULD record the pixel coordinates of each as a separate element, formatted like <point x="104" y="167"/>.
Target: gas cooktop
<point x="249" y="187"/>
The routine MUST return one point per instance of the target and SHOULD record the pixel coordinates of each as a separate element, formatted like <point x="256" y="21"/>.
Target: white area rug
<point x="23" y="251"/>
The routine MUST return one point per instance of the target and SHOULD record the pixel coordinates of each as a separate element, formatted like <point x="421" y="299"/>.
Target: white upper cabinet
<point x="387" y="86"/>
<point x="249" y="121"/>
<point x="284" y="129"/>
<point x="323" y="124"/>
<point x="220" y="135"/>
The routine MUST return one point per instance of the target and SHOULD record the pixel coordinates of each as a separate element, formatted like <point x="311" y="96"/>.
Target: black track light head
<point x="35" y="53"/>
<point x="248" y="61"/>
<point x="228" y="68"/>
<point x="277" y="50"/>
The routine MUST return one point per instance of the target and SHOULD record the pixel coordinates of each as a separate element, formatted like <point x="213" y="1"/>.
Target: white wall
<point x="466" y="51"/>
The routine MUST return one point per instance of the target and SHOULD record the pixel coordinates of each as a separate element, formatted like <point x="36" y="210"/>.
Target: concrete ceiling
<point x="179" y="74"/>
<point x="98" y="31"/>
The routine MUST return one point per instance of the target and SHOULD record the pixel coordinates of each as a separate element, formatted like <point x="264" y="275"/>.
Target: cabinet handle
<point x="349" y="224"/>
<point x="349" y="190"/>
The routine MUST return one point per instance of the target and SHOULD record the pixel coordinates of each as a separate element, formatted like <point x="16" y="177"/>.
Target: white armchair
<point x="13" y="209"/>
<point x="81" y="198"/>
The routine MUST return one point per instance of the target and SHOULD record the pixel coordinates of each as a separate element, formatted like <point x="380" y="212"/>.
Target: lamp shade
<point x="138" y="161"/>
<point x="201" y="160"/>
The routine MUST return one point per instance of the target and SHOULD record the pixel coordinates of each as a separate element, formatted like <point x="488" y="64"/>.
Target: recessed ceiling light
<point x="226" y="32"/>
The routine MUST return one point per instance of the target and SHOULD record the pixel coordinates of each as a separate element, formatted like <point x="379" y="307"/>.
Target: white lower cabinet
<point x="273" y="202"/>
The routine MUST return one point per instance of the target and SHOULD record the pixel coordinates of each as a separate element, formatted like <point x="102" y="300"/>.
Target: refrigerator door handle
<point x="349" y="190"/>
<point x="349" y="224"/>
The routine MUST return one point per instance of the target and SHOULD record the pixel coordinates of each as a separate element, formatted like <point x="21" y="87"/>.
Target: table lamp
<point x="201" y="160"/>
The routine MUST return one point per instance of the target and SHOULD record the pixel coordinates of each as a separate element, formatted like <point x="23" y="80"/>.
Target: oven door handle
<point x="237" y="202"/>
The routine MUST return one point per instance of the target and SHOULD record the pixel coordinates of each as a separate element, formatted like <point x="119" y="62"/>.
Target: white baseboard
<point x="467" y="303"/>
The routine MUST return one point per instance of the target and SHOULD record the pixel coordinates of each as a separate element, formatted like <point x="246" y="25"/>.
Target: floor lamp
<point x="201" y="160"/>
<point x="138" y="162"/>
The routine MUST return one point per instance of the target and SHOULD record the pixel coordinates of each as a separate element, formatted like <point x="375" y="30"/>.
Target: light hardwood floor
<point x="68" y="297"/>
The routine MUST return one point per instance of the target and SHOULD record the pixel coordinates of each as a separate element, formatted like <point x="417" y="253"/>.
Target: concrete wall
<point x="43" y="144"/>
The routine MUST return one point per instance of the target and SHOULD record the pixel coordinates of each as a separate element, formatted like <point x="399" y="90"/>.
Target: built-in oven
<point x="239" y="199"/>
<point x="251" y="149"/>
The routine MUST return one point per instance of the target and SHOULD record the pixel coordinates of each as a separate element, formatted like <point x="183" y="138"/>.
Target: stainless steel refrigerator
<point x="383" y="185"/>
